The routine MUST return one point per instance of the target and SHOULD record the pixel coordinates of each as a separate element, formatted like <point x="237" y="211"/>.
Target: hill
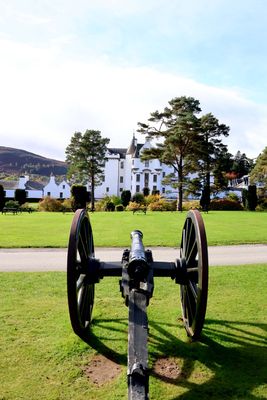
<point x="17" y="161"/>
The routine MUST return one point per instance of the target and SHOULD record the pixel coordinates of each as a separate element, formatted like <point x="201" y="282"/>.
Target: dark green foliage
<point x="259" y="173"/>
<point x="242" y="165"/>
<point x="110" y="206"/>
<point x="138" y="198"/>
<point x="12" y="204"/>
<point x="191" y="144"/>
<point x="249" y="198"/>
<point x="20" y="196"/>
<point x="205" y="198"/>
<point x="146" y="191"/>
<point x="119" y="207"/>
<point x="179" y="127"/>
<point x="86" y="157"/>
<point x="225" y="205"/>
<point x="125" y="197"/>
<point x="79" y="197"/>
<point x="2" y="198"/>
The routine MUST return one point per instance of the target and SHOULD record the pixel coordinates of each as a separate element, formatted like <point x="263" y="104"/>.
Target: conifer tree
<point x="86" y="157"/>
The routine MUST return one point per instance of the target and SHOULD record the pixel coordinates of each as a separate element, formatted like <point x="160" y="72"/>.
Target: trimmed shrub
<point x="110" y="206"/>
<point x="50" y="204"/>
<point x="249" y="198"/>
<point x="225" y="205"/>
<point x="162" y="205"/>
<point x="79" y="197"/>
<point x="233" y="196"/>
<point x="146" y="191"/>
<point x="134" y="206"/>
<point x="12" y="204"/>
<point x="2" y="197"/>
<point x="152" y="198"/>
<point x="252" y="198"/>
<point x="125" y="197"/>
<point x="116" y="200"/>
<point x="191" y="205"/>
<point x="262" y="206"/>
<point x="119" y="207"/>
<point x="138" y="198"/>
<point x="20" y="196"/>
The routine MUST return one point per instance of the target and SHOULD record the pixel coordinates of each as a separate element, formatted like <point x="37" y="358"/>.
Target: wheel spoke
<point x="193" y="289"/>
<point x="192" y="253"/>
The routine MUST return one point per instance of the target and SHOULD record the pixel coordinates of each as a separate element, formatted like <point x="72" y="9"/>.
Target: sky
<point x="67" y="66"/>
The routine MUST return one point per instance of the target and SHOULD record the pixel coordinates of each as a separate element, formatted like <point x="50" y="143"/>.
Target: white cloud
<point x="45" y="99"/>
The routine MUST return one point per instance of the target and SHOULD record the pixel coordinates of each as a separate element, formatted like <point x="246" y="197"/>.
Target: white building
<point x="124" y="170"/>
<point x="36" y="190"/>
<point x="58" y="191"/>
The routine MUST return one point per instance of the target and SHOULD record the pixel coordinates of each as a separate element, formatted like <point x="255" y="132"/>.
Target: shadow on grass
<point x="230" y="362"/>
<point x="235" y="354"/>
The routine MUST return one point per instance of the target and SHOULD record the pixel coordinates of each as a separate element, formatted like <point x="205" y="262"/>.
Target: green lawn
<point x="113" y="229"/>
<point x="42" y="359"/>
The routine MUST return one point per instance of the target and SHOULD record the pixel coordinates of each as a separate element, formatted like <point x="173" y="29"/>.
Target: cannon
<point x="137" y="270"/>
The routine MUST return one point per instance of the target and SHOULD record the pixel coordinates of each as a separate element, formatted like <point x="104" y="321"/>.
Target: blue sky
<point x="106" y="64"/>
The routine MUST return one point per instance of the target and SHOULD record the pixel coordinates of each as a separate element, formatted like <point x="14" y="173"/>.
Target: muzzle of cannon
<point x="137" y="270"/>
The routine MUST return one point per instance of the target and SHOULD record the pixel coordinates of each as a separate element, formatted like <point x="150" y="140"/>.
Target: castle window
<point x="107" y="189"/>
<point x="121" y="179"/>
<point x="137" y="177"/>
<point x="61" y="195"/>
<point x="163" y="174"/>
<point x="163" y="190"/>
<point x="48" y="193"/>
<point x="122" y="165"/>
<point x="154" y="188"/>
<point x="137" y="188"/>
<point x="154" y="178"/>
<point x="63" y="186"/>
<point x="146" y="163"/>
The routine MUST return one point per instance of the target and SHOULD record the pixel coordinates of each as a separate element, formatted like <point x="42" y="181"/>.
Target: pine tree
<point x="86" y="157"/>
<point x="178" y="125"/>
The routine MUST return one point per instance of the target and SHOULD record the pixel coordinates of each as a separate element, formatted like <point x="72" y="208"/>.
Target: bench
<point x="12" y="210"/>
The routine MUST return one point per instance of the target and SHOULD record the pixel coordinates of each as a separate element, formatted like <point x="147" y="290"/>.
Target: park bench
<point x="13" y="210"/>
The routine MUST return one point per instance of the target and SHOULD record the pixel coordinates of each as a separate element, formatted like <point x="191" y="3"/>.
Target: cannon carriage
<point x="137" y="270"/>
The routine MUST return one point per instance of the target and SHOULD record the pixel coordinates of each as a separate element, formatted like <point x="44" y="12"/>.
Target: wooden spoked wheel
<point x="194" y="261"/>
<point x="80" y="290"/>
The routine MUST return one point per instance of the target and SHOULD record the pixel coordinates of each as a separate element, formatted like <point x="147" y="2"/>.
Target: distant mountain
<point x="16" y="161"/>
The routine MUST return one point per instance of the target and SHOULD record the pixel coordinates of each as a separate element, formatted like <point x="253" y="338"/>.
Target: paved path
<point x="55" y="259"/>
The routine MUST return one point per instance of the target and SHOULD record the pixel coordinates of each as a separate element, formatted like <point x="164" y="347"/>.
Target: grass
<point x="42" y="359"/>
<point x="113" y="229"/>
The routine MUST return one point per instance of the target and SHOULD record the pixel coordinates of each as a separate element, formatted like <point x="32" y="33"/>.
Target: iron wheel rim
<point x="194" y="257"/>
<point x="79" y="290"/>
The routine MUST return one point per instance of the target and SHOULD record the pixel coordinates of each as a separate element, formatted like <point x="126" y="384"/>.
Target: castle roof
<point x="120" y="151"/>
<point x="131" y="149"/>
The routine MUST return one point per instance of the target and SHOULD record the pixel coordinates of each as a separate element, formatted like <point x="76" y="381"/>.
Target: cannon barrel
<point x="137" y="266"/>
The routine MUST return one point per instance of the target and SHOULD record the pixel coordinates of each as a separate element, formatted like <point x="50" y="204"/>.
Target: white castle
<point x="124" y="170"/>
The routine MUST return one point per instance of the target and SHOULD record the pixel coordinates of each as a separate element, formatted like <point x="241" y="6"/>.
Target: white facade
<point x="58" y="191"/>
<point x="124" y="170"/>
<point x="36" y="190"/>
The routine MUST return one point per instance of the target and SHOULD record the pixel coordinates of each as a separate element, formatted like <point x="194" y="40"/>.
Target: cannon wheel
<point x="80" y="290"/>
<point x="194" y="258"/>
